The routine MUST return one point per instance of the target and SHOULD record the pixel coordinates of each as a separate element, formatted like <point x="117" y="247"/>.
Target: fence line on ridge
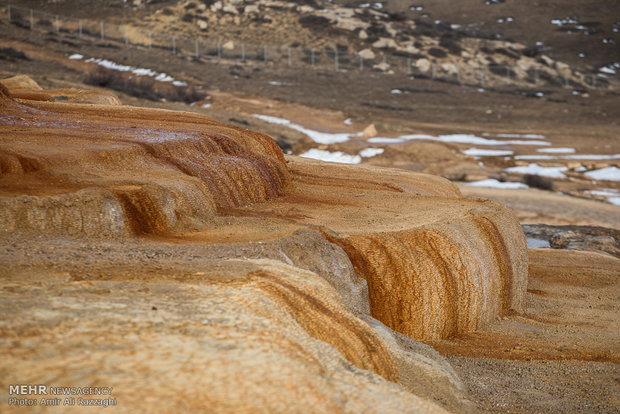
<point x="317" y="59"/>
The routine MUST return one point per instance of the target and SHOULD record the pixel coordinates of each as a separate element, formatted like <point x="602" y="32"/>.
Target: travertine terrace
<point x="148" y="247"/>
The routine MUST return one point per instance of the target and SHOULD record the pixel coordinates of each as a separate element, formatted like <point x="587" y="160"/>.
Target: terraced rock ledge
<point x="154" y="250"/>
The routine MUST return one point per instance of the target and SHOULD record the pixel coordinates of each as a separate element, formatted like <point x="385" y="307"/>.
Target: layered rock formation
<point x="173" y="246"/>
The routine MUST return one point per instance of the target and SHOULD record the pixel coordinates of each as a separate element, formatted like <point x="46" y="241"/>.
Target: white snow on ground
<point x="329" y="138"/>
<point x="614" y="200"/>
<point x="316" y="136"/>
<point x="144" y="72"/>
<point x="611" y="195"/>
<point x="535" y="169"/>
<point x="161" y="77"/>
<point x="529" y="136"/>
<point x="341" y="157"/>
<point x="605" y="192"/>
<point x="608" y="69"/>
<point x="371" y="152"/>
<point x="348" y="121"/>
<point x="396" y="91"/>
<point x="486" y="152"/>
<point x="592" y="157"/>
<point x="206" y="106"/>
<point x="533" y="243"/>
<point x="384" y="140"/>
<point x="608" y="174"/>
<point x="474" y="140"/>
<point x="76" y="56"/>
<point x="110" y="65"/>
<point x="338" y="156"/>
<point x="493" y="183"/>
<point x="557" y="150"/>
<point x="535" y="157"/>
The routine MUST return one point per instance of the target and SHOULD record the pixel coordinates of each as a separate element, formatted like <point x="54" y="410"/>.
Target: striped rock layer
<point x="360" y="252"/>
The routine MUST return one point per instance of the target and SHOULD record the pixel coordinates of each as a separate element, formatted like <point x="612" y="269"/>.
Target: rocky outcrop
<point x="590" y="238"/>
<point x="233" y="337"/>
<point x="436" y="264"/>
<point x="438" y="50"/>
<point x="171" y="175"/>
<point x="186" y="246"/>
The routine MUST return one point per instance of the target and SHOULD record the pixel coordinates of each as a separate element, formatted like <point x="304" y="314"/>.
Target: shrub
<point x="536" y="181"/>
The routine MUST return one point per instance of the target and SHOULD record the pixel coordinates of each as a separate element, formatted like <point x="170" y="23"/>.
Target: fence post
<point x="289" y="57"/>
<point x="219" y="50"/>
<point x="408" y="66"/>
<point x="265" y="53"/>
<point x="336" y="59"/>
<point x="312" y="56"/>
<point x="361" y="64"/>
<point x="150" y="40"/>
<point x="80" y="28"/>
<point x="31" y="19"/>
<point x="196" y="46"/>
<point x="57" y="25"/>
<point x="243" y="52"/>
<point x="102" y="33"/>
<point x="174" y="45"/>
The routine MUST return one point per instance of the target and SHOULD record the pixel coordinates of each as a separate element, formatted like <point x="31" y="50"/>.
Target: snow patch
<point x="316" y="136"/>
<point x="371" y="152"/>
<point x="348" y="121"/>
<point x="486" y="152"/>
<point x="614" y="200"/>
<point x="338" y="156"/>
<point x="108" y="64"/>
<point x="557" y="150"/>
<point x="474" y="140"/>
<point x="528" y="136"/>
<point x="535" y="169"/>
<point x="493" y="183"/>
<point x="607" y="174"/>
<point x="76" y="56"/>
<point x="593" y="157"/>
<point x="533" y="243"/>
<point x="385" y="140"/>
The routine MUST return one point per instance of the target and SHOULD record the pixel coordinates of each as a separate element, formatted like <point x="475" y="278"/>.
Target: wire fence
<point x="318" y="59"/>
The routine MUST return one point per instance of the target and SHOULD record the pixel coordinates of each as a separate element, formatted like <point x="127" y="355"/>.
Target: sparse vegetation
<point x="10" y="54"/>
<point x="537" y="181"/>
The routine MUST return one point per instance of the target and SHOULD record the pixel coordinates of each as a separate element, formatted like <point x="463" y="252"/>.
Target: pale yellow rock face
<point x="159" y="250"/>
<point x="240" y="336"/>
<point x="436" y="264"/>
